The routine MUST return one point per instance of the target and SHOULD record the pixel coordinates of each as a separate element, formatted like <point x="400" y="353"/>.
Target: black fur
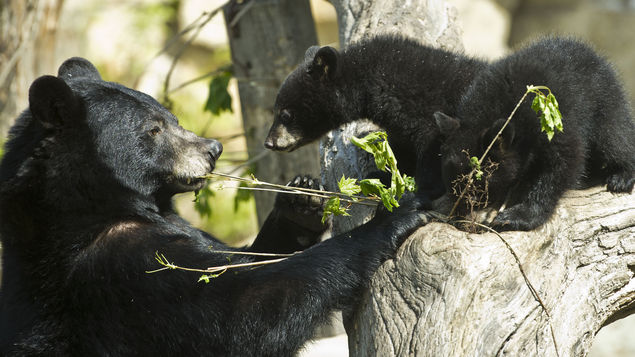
<point x="395" y="82"/>
<point x="85" y="203"/>
<point x="598" y="140"/>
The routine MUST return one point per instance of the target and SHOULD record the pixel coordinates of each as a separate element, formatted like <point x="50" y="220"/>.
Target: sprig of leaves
<point x="547" y="107"/>
<point x="375" y="143"/>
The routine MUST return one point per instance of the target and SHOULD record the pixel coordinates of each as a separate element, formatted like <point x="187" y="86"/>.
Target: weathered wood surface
<point x="452" y="293"/>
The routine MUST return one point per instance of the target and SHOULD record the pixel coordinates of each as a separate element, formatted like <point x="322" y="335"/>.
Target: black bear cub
<point x="598" y="140"/>
<point x="86" y="183"/>
<point x="395" y="82"/>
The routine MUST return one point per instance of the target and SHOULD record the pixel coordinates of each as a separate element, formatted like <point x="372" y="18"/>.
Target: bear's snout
<point x="215" y="148"/>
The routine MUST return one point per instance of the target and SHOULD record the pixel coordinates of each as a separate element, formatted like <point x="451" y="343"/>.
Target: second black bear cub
<point x="395" y="82"/>
<point x="598" y="138"/>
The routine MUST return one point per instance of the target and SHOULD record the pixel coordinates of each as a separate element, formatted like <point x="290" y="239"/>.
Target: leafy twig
<point x="216" y="270"/>
<point x="295" y="190"/>
<point x="550" y="119"/>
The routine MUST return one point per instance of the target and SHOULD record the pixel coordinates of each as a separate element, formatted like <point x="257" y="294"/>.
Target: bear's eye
<point x="154" y="131"/>
<point x="285" y="115"/>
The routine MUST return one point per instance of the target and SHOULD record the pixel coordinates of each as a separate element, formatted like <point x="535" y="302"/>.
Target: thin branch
<point x="291" y="189"/>
<point x="177" y="56"/>
<point x="161" y="259"/>
<point x="253" y="253"/>
<point x="199" y="78"/>
<point x="295" y="192"/>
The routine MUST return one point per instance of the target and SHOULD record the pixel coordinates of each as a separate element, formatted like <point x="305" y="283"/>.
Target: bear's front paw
<point x="620" y="182"/>
<point x="303" y="210"/>
<point x="516" y="218"/>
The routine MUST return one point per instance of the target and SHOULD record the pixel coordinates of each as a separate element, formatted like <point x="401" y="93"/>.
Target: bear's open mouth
<point x="186" y="184"/>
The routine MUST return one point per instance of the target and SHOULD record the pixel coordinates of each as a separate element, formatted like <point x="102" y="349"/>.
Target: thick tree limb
<point x="452" y="293"/>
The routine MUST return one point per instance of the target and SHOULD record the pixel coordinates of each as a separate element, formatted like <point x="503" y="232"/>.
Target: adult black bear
<point x="395" y="82"/>
<point x="85" y="204"/>
<point x="598" y="138"/>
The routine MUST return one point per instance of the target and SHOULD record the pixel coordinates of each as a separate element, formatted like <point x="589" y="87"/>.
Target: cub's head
<point x="463" y="139"/>
<point x="86" y="132"/>
<point x="309" y="102"/>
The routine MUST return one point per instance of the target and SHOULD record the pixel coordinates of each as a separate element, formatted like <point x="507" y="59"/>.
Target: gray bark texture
<point x="453" y="293"/>
<point x="267" y="41"/>
<point x="27" y="41"/>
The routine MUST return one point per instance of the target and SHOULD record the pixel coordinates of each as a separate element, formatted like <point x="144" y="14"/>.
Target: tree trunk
<point x="452" y="293"/>
<point x="27" y="34"/>
<point x="267" y="40"/>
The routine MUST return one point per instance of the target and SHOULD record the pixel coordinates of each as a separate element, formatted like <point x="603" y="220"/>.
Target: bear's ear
<point x="52" y="102"/>
<point x="446" y="124"/>
<point x="77" y="67"/>
<point x="325" y="63"/>
<point x="507" y="136"/>
<point x="309" y="55"/>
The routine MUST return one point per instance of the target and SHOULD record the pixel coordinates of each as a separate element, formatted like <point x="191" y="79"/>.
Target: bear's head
<point x="464" y="139"/>
<point x="83" y="138"/>
<point x="309" y="102"/>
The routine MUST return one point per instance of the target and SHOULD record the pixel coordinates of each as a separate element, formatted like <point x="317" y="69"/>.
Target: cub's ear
<point x="52" y="102"/>
<point x="77" y="67"/>
<point x="446" y="124"/>
<point x="325" y="63"/>
<point x="507" y="136"/>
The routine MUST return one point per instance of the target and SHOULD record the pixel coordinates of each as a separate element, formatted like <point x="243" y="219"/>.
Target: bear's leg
<point x="295" y="223"/>
<point x="428" y="178"/>
<point x="538" y="194"/>
<point x="614" y="145"/>
<point x="619" y="153"/>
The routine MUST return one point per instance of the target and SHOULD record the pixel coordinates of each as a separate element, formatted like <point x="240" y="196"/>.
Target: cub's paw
<point x="519" y="218"/>
<point x="620" y="182"/>
<point x="303" y="210"/>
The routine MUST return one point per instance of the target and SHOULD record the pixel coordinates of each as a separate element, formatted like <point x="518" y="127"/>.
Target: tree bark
<point x="27" y="34"/>
<point x="267" y="40"/>
<point x="452" y="293"/>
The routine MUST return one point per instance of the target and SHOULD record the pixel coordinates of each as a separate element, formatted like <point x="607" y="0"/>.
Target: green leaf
<point x="348" y="186"/>
<point x="333" y="207"/>
<point x="478" y="173"/>
<point x="203" y="201"/>
<point x="410" y="183"/>
<point x="219" y="99"/>
<point x="371" y="187"/>
<point x="547" y="107"/>
<point x="206" y="277"/>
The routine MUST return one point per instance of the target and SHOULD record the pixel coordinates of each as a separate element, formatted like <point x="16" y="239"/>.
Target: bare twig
<point x="297" y="190"/>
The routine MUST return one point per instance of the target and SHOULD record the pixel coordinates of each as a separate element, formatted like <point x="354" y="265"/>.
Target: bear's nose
<point x="269" y="143"/>
<point x="215" y="148"/>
